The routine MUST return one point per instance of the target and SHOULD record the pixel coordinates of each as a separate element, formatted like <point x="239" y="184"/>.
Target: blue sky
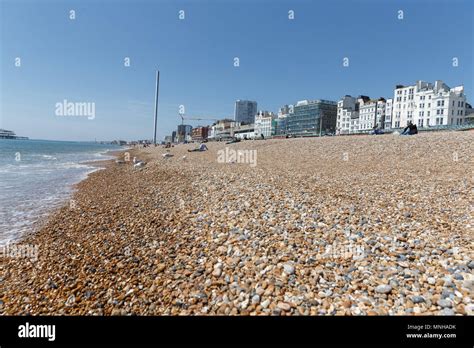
<point x="281" y="60"/>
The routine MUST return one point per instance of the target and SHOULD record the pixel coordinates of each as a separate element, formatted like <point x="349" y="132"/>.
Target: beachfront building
<point x="372" y="115"/>
<point x="263" y="123"/>
<point x="184" y="133"/>
<point x="245" y="111"/>
<point x="388" y="114"/>
<point x="199" y="133"/>
<point x="222" y="129"/>
<point x="173" y="137"/>
<point x="279" y="127"/>
<point x="347" y="120"/>
<point x="243" y="131"/>
<point x="312" y="117"/>
<point x="279" y="123"/>
<point x="469" y="119"/>
<point x="426" y="104"/>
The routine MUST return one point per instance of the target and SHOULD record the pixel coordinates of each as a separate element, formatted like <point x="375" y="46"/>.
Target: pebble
<point x="383" y="289"/>
<point x="284" y="306"/>
<point x="447" y="311"/>
<point x="431" y="280"/>
<point x="265" y="303"/>
<point x="288" y="269"/>
<point x="418" y="299"/>
<point x="444" y="303"/>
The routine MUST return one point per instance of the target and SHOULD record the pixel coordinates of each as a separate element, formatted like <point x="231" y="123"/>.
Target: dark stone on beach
<point x="418" y="299"/>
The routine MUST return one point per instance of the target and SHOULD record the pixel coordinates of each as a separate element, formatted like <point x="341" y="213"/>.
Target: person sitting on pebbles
<point x="410" y="129"/>
<point x="202" y="147"/>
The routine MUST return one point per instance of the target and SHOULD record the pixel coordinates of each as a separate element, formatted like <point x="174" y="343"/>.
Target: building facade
<point x="243" y="131"/>
<point x="279" y="123"/>
<point x="372" y="115"/>
<point x="263" y="124"/>
<point x="388" y="114"/>
<point x="222" y="129"/>
<point x="312" y="117"/>
<point x="426" y="104"/>
<point x="245" y="111"/>
<point x="184" y="133"/>
<point x="347" y="120"/>
<point x="199" y="133"/>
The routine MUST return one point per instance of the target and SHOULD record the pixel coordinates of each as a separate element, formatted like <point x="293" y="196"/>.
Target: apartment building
<point x="372" y="114"/>
<point x="426" y="104"/>
<point x="263" y="124"/>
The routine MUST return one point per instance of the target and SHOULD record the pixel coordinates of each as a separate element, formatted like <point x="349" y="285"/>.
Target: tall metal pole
<point x="156" y="104"/>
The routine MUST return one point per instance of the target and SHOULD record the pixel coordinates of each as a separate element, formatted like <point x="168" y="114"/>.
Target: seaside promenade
<point x="363" y="225"/>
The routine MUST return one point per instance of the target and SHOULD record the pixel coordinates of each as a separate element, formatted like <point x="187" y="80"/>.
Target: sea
<point x="37" y="176"/>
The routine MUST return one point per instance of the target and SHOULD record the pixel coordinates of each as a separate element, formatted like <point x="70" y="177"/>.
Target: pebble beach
<point x="346" y="225"/>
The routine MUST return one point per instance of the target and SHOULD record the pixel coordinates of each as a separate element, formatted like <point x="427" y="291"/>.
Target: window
<point x="453" y="103"/>
<point x="460" y="112"/>
<point x="429" y="105"/>
<point x="428" y="113"/>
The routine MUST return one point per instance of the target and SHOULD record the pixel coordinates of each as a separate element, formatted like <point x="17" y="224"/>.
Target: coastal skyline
<point x="281" y="60"/>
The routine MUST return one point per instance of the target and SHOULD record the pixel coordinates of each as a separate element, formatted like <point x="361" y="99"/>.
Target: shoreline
<point x="190" y="235"/>
<point x="42" y="220"/>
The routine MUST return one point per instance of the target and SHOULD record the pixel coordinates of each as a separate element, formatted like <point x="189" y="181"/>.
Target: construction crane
<point x="195" y="118"/>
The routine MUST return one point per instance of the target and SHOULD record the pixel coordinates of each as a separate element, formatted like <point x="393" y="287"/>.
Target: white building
<point x="243" y="131"/>
<point x="222" y="129"/>
<point x="263" y="124"/>
<point x="349" y="114"/>
<point x="426" y="104"/>
<point x="372" y="115"/>
<point x="388" y="114"/>
<point x="347" y="109"/>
